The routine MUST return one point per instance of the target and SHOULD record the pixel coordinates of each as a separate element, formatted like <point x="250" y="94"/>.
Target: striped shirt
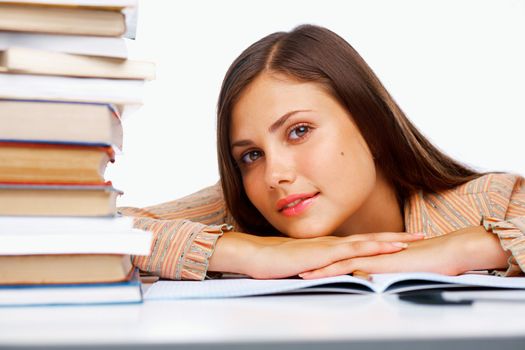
<point x="186" y="230"/>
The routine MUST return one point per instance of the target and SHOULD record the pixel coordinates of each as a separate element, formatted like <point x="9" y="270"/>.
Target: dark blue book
<point x="73" y="294"/>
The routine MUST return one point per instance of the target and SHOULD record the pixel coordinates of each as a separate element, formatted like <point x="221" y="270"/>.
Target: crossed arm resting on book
<point x="189" y="241"/>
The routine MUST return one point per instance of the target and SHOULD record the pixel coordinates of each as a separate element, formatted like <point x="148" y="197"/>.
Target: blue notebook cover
<point x="125" y="292"/>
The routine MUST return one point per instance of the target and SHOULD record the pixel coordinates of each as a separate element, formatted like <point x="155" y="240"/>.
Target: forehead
<point x="269" y="97"/>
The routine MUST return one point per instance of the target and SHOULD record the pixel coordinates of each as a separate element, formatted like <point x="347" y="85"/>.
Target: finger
<point x="387" y="237"/>
<point x="339" y="268"/>
<point x="374" y="264"/>
<point x="366" y="248"/>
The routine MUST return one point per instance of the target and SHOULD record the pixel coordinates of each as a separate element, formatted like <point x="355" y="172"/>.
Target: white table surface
<point x="287" y="319"/>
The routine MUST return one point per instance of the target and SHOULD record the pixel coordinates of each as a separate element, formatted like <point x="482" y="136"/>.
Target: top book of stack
<point x="111" y="18"/>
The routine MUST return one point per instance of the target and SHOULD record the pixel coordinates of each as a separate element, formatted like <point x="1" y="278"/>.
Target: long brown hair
<point x="314" y="54"/>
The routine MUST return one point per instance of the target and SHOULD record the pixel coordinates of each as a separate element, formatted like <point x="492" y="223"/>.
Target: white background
<point x="457" y="68"/>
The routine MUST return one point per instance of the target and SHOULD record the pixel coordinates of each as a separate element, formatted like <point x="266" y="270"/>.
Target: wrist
<point x="480" y="250"/>
<point x="232" y="253"/>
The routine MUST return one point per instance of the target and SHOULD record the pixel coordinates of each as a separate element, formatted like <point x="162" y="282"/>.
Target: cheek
<point x="254" y="188"/>
<point x="343" y="168"/>
<point x="357" y="176"/>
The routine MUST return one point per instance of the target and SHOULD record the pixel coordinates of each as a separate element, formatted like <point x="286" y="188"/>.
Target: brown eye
<point x="298" y="132"/>
<point x="250" y="157"/>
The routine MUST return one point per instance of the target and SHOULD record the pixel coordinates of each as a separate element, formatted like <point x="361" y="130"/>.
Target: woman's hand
<point x="279" y="257"/>
<point x="472" y="248"/>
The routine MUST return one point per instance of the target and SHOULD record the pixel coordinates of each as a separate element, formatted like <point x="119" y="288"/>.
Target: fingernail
<point x="400" y="244"/>
<point x="301" y="275"/>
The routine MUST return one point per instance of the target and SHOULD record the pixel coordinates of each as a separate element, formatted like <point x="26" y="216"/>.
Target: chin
<point x="306" y="230"/>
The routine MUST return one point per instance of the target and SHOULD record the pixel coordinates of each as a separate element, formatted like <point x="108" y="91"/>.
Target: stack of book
<point x="65" y="82"/>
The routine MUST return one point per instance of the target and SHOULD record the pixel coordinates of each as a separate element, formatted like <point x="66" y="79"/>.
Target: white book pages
<point x="131" y="17"/>
<point x="130" y="241"/>
<point x="73" y="44"/>
<point x="44" y="225"/>
<point x="401" y="282"/>
<point x="381" y="283"/>
<point x="121" y="92"/>
<point x="240" y="287"/>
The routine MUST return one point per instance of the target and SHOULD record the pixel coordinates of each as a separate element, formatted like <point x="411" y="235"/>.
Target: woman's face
<point x="304" y="164"/>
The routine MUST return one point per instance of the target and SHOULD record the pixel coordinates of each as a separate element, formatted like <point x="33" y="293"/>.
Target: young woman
<point x="322" y="174"/>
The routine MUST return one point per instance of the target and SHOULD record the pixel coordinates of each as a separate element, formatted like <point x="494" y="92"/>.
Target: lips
<point x="295" y="203"/>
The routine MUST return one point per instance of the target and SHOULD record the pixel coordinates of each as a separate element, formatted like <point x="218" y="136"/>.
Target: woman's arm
<point x="472" y="248"/>
<point x="188" y="241"/>
<point x="279" y="257"/>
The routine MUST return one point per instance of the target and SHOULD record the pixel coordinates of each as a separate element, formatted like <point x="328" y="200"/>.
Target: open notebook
<point x="381" y="283"/>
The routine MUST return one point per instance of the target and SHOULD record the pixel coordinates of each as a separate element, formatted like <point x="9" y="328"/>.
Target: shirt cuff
<point x="511" y="234"/>
<point x="194" y="261"/>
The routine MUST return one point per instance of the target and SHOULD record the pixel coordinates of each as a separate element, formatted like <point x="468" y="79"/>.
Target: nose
<point x="279" y="170"/>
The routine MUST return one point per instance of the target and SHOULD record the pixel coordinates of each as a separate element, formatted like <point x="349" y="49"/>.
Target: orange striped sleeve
<point x="497" y="200"/>
<point x="517" y="201"/>
<point x="509" y="220"/>
<point x="185" y="232"/>
<point x="437" y="214"/>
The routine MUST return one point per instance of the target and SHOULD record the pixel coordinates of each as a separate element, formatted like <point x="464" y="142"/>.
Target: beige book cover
<point x="64" y="268"/>
<point x="94" y="124"/>
<point x="35" y="61"/>
<point x="58" y="199"/>
<point x="61" y="20"/>
<point x="53" y="163"/>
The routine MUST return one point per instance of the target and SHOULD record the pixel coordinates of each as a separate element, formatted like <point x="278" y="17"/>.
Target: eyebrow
<point x="273" y="128"/>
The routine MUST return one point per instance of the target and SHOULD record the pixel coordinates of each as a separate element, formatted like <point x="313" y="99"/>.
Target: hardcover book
<point x="128" y="291"/>
<point x="34" y="61"/>
<point x="47" y="235"/>
<point x="64" y="268"/>
<point x="53" y="163"/>
<point x="124" y="93"/>
<point x="61" y="20"/>
<point x="91" y="124"/>
<point x="58" y="199"/>
<point x="75" y="44"/>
